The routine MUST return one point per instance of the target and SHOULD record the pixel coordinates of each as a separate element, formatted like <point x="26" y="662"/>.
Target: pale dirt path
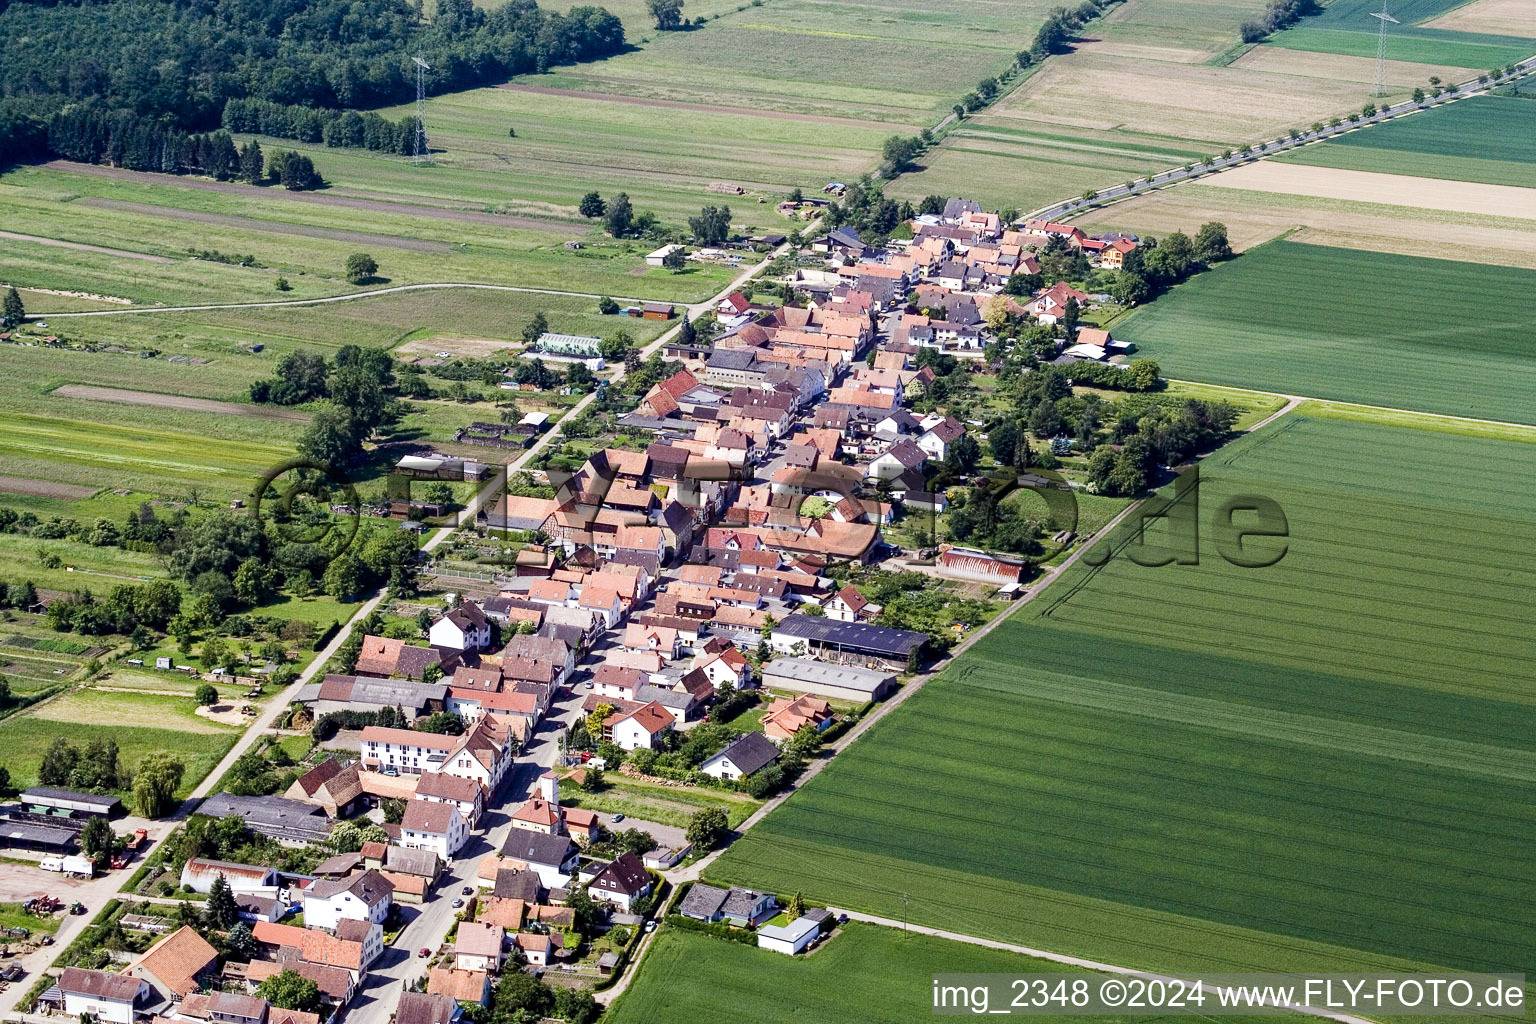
<point x="1076" y="961"/>
<point x="348" y="297"/>
<point x="1292" y="401"/>
<point x="164" y="401"/>
<point x="59" y="243"/>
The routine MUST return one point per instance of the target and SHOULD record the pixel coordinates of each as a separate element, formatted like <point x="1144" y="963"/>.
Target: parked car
<point x="468" y="890"/>
<point x="423" y="952"/>
<point x="650" y="926"/>
<point x="457" y="902"/>
<point x="618" y="817"/>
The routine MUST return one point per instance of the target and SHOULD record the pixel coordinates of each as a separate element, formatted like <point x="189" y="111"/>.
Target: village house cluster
<point x="651" y="583"/>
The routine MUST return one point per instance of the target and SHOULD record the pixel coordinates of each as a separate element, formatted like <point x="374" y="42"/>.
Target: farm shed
<point x="18" y="835"/>
<point x="847" y="642"/>
<point x="578" y="345"/>
<point x="789" y="938"/>
<point x="657" y="258"/>
<point x="43" y="799"/>
<point x="824" y="679"/>
<point x="979" y="567"/>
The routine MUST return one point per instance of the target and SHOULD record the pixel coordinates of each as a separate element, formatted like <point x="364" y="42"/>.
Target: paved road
<point x="1452" y="94"/>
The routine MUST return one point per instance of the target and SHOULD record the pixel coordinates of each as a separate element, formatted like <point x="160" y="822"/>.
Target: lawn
<point x="1324" y="764"/>
<point x="863" y="973"/>
<point x="12" y="916"/>
<point x="665" y="805"/>
<point x="140" y="723"/>
<point x="1490" y="139"/>
<point x="1352" y="326"/>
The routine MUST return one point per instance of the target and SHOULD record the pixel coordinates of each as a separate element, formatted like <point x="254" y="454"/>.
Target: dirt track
<point x="44" y="488"/>
<point x="401" y="209"/>
<point x="274" y="226"/>
<point x="82" y="247"/>
<point x="160" y="401"/>
<point x="1374" y="187"/>
<point x="705" y="108"/>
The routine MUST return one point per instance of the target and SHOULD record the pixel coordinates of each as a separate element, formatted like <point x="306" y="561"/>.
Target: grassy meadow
<point x="864" y="972"/>
<point x="1352" y="326"/>
<point x="163" y="450"/>
<point x="302" y="237"/>
<point x="1489" y="139"/>
<point x="1323" y="764"/>
<point x="140" y="723"/>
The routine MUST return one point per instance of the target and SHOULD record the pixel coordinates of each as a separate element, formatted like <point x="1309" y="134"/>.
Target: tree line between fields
<point x="179" y="63"/>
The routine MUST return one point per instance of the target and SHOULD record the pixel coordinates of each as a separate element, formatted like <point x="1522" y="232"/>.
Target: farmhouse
<point x="177" y="965"/>
<point x="104" y="996"/>
<point x="748" y="753"/>
<point x="824" y="679"/>
<point x="366" y="693"/>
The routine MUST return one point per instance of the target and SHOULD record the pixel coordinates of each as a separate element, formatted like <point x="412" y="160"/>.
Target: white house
<point x="847" y="605"/>
<point x="433" y="825"/>
<point x="105" y="996"/>
<point x="602" y="598"/>
<point x="643" y="727"/>
<point x="362" y="897"/>
<point x="727" y="666"/>
<point x="747" y="753"/>
<point x="478" y="947"/>
<point x="464" y="628"/>
<point x="790" y="938"/>
<point x="465" y="794"/>
<point x="407" y="751"/>
<point x="621" y="882"/>
<point x="900" y="457"/>
<point x="552" y="857"/>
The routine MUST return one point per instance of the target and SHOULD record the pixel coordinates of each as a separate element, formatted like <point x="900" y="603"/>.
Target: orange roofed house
<point x="787" y="716"/>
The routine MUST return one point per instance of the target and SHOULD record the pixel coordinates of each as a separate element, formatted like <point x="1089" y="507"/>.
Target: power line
<point x="1381" y="47"/>
<point x="419" y="143"/>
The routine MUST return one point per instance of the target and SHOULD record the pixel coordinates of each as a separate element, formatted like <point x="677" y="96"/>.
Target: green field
<point x="141" y="723"/>
<point x="1490" y="139"/>
<point x="665" y="805"/>
<point x="1352" y="326"/>
<point x="1322" y="764"/>
<point x="1417" y="45"/>
<point x="305" y="238"/>
<point x="159" y="450"/>
<point x="863" y="973"/>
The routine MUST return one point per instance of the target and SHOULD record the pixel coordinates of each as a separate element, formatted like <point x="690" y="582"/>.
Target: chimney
<point x="549" y="788"/>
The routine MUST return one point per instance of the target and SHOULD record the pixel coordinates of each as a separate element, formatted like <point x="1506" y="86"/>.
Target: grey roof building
<point x="750" y="752"/>
<point x="847" y="641"/>
<point x="288" y="821"/>
<point x="702" y="902"/>
<point x="826" y="679"/>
